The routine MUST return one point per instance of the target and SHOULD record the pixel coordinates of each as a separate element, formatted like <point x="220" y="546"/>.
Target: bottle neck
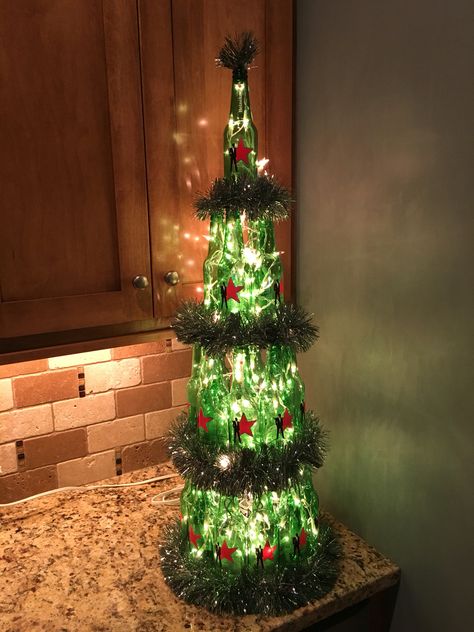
<point x="216" y="235"/>
<point x="261" y="235"/>
<point x="234" y="241"/>
<point x="240" y="112"/>
<point x="240" y="134"/>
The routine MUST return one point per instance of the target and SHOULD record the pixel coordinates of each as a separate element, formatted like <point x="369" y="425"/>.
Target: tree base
<point x="275" y="590"/>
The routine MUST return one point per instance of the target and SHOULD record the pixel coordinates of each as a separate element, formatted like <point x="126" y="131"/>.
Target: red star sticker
<point x="268" y="551"/>
<point x="226" y="552"/>
<point x="231" y="291"/>
<point x="287" y="420"/>
<point x="242" y="152"/>
<point x="203" y="420"/>
<point x="303" y="537"/>
<point x="245" y="426"/>
<point x="193" y="537"/>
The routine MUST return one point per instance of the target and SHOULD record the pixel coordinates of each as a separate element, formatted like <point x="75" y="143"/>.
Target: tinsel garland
<point x="272" y="591"/>
<point x="261" y="197"/>
<point x="289" y="325"/>
<point x="268" y="467"/>
<point x="239" y="52"/>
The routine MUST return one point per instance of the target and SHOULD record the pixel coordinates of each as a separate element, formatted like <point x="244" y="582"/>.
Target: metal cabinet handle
<point x="172" y="277"/>
<point x="140" y="282"/>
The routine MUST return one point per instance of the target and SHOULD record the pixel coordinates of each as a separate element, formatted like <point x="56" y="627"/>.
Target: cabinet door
<point x="74" y="217"/>
<point x="186" y="106"/>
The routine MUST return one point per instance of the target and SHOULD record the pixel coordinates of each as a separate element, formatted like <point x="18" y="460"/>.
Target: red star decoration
<point x="231" y="291"/>
<point x="242" y="152"/>
<point x="245" y="426"/>
<point x="268" y="551"/>
<point x="303" y="537"/>
<point x="287" y="420"/>
<point x="203" y="420"/>
<point x="227" y="551"/>
<point x="193" y="537"/>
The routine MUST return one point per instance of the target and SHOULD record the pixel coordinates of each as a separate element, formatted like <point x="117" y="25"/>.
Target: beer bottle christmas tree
<point x="249" y="538"/>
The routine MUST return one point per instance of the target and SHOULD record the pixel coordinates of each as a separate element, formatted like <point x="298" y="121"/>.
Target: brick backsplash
<point x="79" y="418"/>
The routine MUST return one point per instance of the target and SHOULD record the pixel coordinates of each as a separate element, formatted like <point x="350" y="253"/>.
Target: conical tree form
<point x="249" y="537"/>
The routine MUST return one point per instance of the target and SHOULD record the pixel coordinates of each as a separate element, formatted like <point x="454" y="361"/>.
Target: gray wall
<point x="384" y="250"/>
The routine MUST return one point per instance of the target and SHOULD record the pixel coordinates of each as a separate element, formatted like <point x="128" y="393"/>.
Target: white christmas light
<point x="223" y="461"/>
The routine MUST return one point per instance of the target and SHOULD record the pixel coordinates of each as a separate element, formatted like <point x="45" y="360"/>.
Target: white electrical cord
<point x="85" y="488"/>
<point x="162" y="497"/>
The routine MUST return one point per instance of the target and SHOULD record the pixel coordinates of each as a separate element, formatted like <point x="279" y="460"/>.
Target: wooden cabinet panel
<point x="111" y="118"/>
<point x="184" y="125"/>
<point x="74" y="224"/>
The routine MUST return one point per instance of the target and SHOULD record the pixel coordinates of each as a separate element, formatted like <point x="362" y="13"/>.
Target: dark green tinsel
<point x="280" y="590"/>
<point x="270" y="467"/>
<point x="289" y="325"/>
<point x="261" y="198"/>
<point x="238" y="52"/>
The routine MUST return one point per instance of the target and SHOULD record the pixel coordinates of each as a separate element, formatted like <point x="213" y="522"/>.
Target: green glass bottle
<point x="214" y="400"/>
<point x="194" y="383"/>
<point x="245" y="391"/>
<point x="264" y="262"/>
<point x="231" y="266"/>
<point x="240" y="134"/>
<point x="211" y="263"/>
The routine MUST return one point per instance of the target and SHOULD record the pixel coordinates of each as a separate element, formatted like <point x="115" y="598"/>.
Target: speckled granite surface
<point x="89" y="562"/>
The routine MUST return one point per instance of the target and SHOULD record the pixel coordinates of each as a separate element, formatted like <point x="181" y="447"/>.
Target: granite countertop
<point x="89" y="562"/>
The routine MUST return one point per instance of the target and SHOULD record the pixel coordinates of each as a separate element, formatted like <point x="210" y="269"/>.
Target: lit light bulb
<point x="252" y="257"/>
<point x="223" y="461"/>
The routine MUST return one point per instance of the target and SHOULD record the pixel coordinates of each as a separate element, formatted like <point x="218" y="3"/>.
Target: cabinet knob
<point x="140" y="282"/>
<point x="172" y="277"/>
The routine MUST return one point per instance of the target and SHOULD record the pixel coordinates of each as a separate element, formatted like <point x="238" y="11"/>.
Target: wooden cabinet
<point x="74" y="217"/>
<point x="112" y="114"/>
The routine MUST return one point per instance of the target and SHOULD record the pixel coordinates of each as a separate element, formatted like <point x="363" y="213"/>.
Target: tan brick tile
<point x="136" y="351"/>
<point x="8" y="461"/>
<point x="135" y="457"/>
<point x="27" y="422"/>
<point x="108" y="375"/>
<point x="45" y="387"/>
<point x="6" y="395"/>
<point x="179" y="393"/>
<point x="56" y="447"/>
<point x="79" y="359"/>
<point x="166" y="366"/>
<point x="83" y="412"/>
<point x="176" y="345"/>
<point x="87" y="470"/>
<point x="23" y="484"/>
<point x="143" y="399"/>
<point x="157" y="423"/>
<point x="116" y="433"/>
<point x="23" y="368"/>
